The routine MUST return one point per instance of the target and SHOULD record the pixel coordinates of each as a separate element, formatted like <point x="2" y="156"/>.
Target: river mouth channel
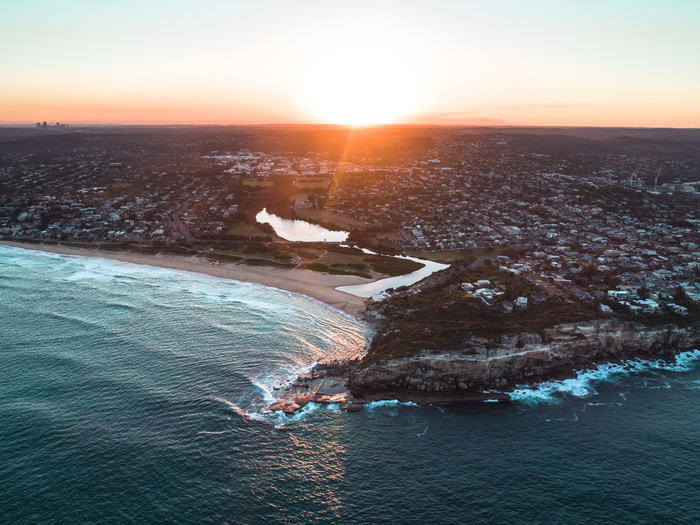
<point x="302" y="231"/>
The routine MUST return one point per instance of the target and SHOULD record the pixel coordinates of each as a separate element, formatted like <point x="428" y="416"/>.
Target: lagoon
<point x="378" y="287"/>
<point x="300" y="231"/>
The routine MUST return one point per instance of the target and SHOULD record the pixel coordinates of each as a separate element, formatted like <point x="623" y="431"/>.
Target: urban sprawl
<point x="624" y="226"/>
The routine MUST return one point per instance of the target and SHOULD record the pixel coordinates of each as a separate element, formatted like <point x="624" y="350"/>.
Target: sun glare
<point x="359" y="85"/>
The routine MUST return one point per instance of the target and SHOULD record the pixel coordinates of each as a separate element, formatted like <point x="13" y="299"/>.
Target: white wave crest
<point x="371" y="407"/>
<point x="583" y="385"/>
<point x="90" y="274"/>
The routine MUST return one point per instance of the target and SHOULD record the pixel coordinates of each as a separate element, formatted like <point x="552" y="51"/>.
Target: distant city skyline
<point x="544" y="63"/>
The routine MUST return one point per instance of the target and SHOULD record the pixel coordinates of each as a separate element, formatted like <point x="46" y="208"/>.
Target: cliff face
<point x="524" y="357"/>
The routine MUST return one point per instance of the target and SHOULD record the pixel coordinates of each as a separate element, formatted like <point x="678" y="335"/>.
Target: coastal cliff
<point x="501" y="363"/>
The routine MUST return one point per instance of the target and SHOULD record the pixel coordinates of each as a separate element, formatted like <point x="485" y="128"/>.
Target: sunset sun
<point x="358" y="85"/>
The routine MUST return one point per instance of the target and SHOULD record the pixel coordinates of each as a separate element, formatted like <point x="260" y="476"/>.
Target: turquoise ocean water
<point x="130" y="394"/>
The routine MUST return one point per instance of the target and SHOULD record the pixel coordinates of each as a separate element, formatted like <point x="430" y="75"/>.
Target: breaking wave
<point x="585" y="382"/>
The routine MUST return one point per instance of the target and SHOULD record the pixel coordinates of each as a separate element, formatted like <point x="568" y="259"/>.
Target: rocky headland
<point x="475" y="333"/>
<point x="501" y="364"/>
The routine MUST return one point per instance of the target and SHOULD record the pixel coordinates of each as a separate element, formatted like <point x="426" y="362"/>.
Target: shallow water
<point x="130" y="394"/>
<point x="376" y="288"/>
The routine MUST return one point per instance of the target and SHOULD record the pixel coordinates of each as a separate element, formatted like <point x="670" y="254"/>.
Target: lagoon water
<point x="130" y="394"/>
<point x="376" y="288"/>
<point x="299" y="231"/>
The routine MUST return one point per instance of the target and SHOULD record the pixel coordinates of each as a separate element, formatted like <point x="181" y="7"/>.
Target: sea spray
<point x="583" y="384"/>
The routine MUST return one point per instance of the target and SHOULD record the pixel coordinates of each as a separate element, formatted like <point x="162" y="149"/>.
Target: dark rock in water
<point x="291" y="408"/>
<point x="288" y="407"/>
<point x="352" y="407"/>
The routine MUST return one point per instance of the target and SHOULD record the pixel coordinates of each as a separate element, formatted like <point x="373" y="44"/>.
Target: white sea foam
<point x="266" y="391"/>
<point x="238" y="410"/>
<point x="255" y="295"/>
<point x="583" y="385"/>
<point x="90" y="274"/>
<point x="281" y="420"/>
<point x="388" y="403"/>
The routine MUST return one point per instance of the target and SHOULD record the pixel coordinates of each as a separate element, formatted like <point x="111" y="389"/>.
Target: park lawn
<point x="311" y="184"/>
<point x="258" y="183"/>
<point x="394" y="237"/>
<point x="323" y="217"/>
<point x="241" y="228"/>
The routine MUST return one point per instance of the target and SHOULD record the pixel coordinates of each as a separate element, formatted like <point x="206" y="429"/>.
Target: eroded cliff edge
<point x="470" y="330"/>
<point x="522" y="358"/>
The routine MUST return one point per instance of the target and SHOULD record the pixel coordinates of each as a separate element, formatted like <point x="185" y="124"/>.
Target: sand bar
<point x="305" y="282"/>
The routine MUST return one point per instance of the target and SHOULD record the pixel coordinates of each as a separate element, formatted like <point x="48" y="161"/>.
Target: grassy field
<point x="395" y="237"/>
<point x="324" y="217"/>
<point x="241" y="228"/>
<point x="258" y="183"/>
<point x="312" y="184"/>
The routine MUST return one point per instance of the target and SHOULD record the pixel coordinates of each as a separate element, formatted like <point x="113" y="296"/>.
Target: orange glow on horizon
<point x="358" y="86"/>
<point x="351" y="63"/>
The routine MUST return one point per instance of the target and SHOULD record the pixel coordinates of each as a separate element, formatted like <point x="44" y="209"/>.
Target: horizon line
<point x="32" y="125"/>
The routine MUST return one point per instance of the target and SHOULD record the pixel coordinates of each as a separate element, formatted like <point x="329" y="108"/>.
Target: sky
<point x="503" y="62"/>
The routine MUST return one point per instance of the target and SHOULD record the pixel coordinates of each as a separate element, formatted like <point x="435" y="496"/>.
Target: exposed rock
<point x="352" y="407"/>
<point x="525" y="357"/>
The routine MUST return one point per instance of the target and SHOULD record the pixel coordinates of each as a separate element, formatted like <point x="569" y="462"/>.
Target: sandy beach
<point x="305" y="282"/>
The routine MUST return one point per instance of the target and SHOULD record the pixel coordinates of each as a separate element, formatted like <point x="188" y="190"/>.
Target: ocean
<point x="132" y="394"/>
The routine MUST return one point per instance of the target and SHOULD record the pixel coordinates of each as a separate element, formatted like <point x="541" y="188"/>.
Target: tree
<point x="643" y="292"/>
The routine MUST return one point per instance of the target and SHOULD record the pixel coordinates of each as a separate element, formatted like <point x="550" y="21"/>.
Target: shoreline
<point x="321" y="287"/>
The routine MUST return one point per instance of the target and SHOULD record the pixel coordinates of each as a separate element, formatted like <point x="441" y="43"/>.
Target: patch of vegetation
<point x="345" y="250"/>
<point x="335" y="269"/>
<point x="266" y="262"/>
<point x="220" y="257"/>
<point x="446" y="257"/>
<point x="330" y="221"/>
<point x="433" y="321"/>
<point x="392" y="266"/>
<point x="439" y="319"/>
<point x="657" y="320"/>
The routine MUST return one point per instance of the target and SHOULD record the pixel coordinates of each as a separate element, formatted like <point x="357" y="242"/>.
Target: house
<point x="635" y="309"/>
<point x="468" y="287"/>
<point x="648" y="306"/>
<point x="664" y="275"/>
<point x="619" y="295"/>
<point x="677" y="309"/>
<point x="540" y="297"/>
<point x="521" y="302"/>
